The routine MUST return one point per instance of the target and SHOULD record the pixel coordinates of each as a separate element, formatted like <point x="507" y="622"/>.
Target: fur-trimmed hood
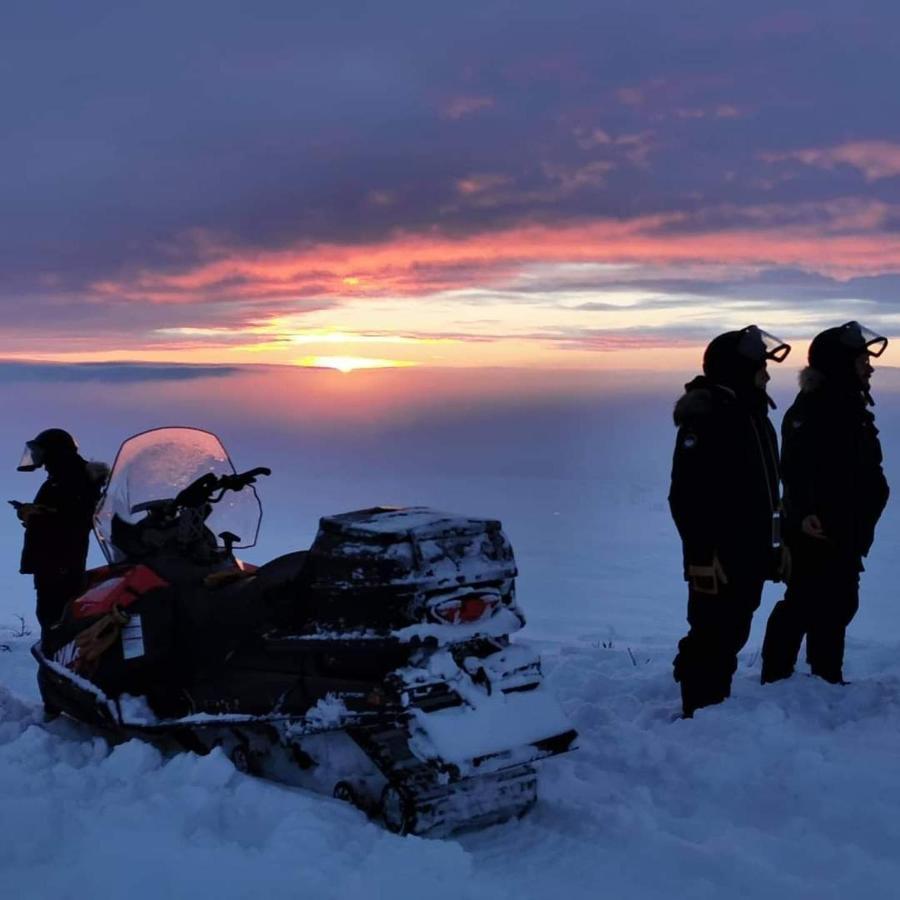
<point x="97" y="472"/>
<point x="698" y="400"/>
<point x="813" y="381"/>
<point x="692" y="405"/>
<point x="703" y="396"/>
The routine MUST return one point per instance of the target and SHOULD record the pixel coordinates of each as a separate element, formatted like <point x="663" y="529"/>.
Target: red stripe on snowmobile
<point x="93" y="577"/>
<point x="120" y="590"/>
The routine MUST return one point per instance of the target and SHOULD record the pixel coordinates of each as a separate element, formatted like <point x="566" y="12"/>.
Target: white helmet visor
<point x="32" y="458"/>
<point x="760" y="345"/>
<point x="864" y="339"/>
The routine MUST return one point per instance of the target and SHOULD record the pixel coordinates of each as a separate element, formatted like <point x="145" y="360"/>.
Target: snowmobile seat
<point x="283" y="571"/>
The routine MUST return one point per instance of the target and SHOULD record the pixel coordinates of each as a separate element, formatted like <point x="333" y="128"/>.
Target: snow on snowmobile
<point x="376" y="666"/>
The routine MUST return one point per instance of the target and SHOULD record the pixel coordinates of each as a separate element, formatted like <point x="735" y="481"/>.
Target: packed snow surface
<point x="785" y="791"/>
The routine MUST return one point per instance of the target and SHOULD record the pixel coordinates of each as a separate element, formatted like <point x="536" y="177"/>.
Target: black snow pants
<point x="820" y="602"/>
<point x="54" y="590"/>
<point x="707" y="655"/>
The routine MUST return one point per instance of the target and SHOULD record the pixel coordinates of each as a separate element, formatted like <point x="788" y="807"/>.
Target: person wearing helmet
<point x="58" y="523"/>
<point x="834" y="494"/>
<point x="724" y="499"/>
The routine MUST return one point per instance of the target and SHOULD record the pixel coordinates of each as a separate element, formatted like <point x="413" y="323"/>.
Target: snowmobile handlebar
<point x="204" y="490"/>
<point x="206" y="486"/>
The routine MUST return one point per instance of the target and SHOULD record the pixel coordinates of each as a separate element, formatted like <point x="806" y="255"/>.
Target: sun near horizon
<point x="348" y="364"/>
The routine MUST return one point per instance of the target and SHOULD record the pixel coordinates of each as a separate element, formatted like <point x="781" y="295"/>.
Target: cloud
<point x="304" y="162"/>
<point x="460" y="107"/>
<point x="117" y="373"/>
<point x="778" y="285"/>
<point x="574" y="178"/>
<point x="634" y="148"/>
<point x="720" y="111"/>
<point x="479" y="184"/>
<point x="874" y="159"/>
<point x="836" y="238"/>
<point x="609" y="340"/>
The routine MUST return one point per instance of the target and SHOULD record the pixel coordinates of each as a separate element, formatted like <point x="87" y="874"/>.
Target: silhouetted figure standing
<point x="58" y="522"/>
<point x="725" y="502"/>
<point x="834" y="494"/>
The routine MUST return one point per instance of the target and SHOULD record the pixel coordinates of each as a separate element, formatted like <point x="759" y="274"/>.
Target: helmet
<point x="733" y="358"/>
<point x="49" y="445"/>
<point x="834" y="351"/>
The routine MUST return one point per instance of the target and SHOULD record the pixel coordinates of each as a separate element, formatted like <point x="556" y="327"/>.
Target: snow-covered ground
<point x="790" y="790"/>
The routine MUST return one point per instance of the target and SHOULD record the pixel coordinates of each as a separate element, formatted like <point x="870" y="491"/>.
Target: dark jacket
<point x="724" y="491"/>
<point x="56" y="542"/>
<point x="831" y="464"/>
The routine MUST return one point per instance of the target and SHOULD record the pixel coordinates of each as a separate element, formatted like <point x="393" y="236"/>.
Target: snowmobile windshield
<point x="863" y="339"/>
<point x="156" y="465"/>
<point x="759" y="345"/>
<point x="32" y="457"/>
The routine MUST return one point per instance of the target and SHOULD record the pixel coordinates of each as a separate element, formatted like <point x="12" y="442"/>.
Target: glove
<point x="707" y="579"/>
<point x="812" y="527"/>
<point x="25" y="511"/>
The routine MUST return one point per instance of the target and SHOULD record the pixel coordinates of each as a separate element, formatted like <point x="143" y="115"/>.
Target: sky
<point x="592" y="184"/>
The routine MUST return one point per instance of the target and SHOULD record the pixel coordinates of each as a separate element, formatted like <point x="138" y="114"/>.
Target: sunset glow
<point x="350" y="363"/>
<point x="564" y="201"/>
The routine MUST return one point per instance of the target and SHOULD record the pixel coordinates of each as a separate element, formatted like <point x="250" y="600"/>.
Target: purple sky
<point x="511" y="181"/>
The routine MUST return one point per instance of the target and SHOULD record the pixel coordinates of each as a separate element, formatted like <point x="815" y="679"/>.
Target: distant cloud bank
<point x="110" y="373"/>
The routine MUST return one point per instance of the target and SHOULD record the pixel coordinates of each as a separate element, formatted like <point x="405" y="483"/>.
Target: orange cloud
<point x="842" y="241"/>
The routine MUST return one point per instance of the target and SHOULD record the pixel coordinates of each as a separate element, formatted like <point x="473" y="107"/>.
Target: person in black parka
<point x="834" y="494"/>
<point x="725" y="502"/>
<point x="58" y="522"/>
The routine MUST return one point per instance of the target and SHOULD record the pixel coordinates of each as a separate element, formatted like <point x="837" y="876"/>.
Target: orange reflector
<point x="461" y="610"/>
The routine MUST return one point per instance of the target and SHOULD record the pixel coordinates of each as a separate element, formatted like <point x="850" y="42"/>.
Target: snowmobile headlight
<point x="462" y="610"/>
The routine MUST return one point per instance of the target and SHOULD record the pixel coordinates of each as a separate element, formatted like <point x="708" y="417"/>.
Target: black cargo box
<point x="379" y="565"/>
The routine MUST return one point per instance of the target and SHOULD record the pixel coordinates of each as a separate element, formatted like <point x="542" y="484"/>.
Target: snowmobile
<point x="377" y="666"/>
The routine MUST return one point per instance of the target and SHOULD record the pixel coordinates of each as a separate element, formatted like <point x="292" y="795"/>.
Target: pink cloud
<point x="460" y="107"/>
<point x="478" y="184"/>
<point x="875" y="159"/>
<point x="595" y="137"/>
<point x="841" y="238"/>
<point x="573" y="178"/>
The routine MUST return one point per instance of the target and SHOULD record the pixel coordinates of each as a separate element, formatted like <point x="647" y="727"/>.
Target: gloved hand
<point x="812" y="527"/>
<point x="706" y="579"/>
<point x="25" y="511"/>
